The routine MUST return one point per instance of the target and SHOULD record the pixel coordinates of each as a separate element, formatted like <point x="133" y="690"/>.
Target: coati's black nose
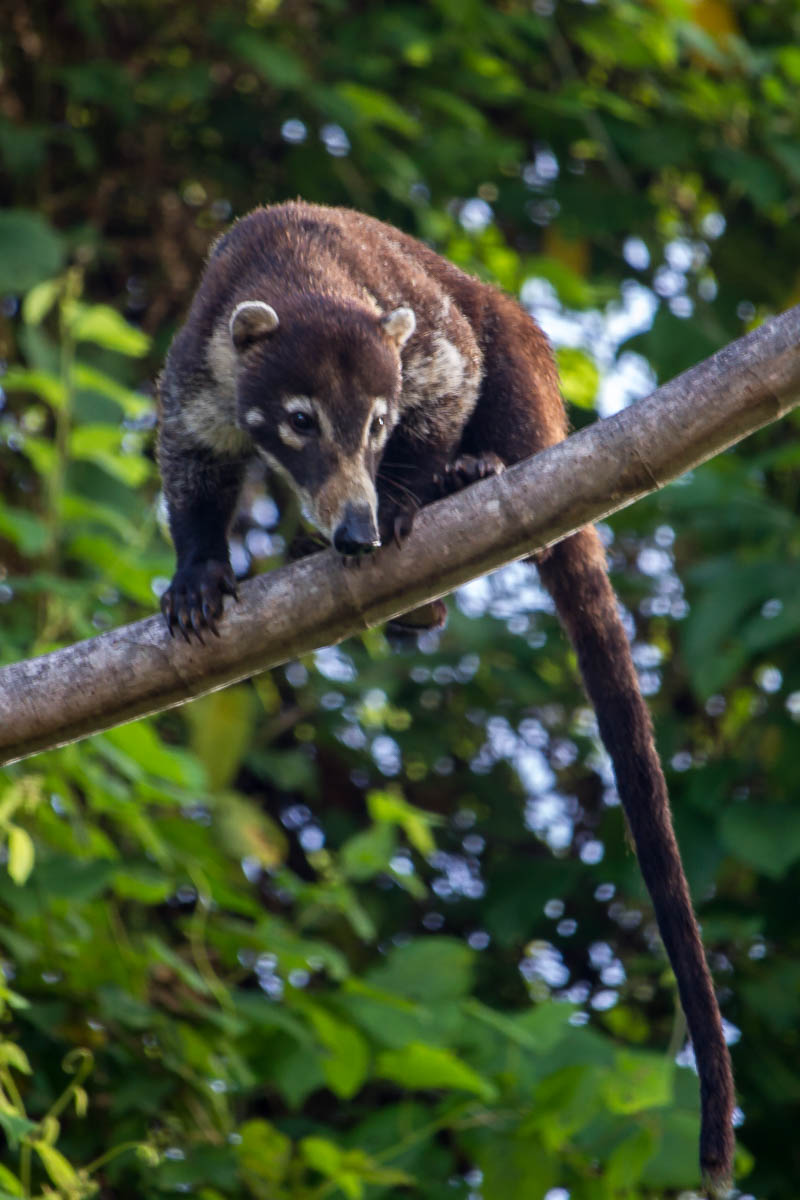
<point x="357" y="533"/>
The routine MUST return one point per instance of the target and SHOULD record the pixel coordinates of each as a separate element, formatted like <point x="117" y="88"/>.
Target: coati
<point x="372" y="375"/>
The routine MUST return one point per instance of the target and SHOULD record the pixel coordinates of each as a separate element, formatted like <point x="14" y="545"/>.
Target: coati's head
<point x="318" y="390"/>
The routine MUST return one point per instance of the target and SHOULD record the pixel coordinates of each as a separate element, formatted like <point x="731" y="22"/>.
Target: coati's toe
<point x="467" y="469"/>
<point x="193" y="602"/>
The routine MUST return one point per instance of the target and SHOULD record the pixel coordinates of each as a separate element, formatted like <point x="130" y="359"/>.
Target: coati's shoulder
<point x="297" y="246"/>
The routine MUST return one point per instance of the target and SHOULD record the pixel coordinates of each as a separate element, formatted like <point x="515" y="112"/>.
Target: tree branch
<point x="139" y="669"/>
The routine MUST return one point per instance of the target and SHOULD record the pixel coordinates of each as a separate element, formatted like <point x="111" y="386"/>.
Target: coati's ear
<point x="251" y="321"/>
<point x="399" y="325"/>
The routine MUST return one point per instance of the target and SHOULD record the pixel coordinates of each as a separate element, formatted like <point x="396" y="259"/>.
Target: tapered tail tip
<point x="718" y="1186"/>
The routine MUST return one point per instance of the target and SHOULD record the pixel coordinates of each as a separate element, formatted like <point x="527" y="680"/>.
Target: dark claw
<point x="197" y="624"/>
<point x="403" y="524"/>
<point x="193" y="601"/>
<point x="183" y="623"/>
<point x="209" y="617"/>
<point x="169" y="616"/>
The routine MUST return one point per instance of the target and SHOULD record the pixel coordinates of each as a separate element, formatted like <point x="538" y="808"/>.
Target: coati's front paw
<point x="193" y="601"/>
<point x="467" y="469"/>
<point x="396" y="524"/>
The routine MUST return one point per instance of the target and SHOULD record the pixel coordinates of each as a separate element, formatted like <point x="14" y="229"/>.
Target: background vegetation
<point x="368" y="926"/>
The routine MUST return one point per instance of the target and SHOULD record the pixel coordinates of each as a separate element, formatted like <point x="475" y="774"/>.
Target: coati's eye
<point x="376" y="428"/>
<point x="302" y="422"/>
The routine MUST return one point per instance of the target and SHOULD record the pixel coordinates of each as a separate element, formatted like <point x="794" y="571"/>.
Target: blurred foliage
<point x="368" y="925"/>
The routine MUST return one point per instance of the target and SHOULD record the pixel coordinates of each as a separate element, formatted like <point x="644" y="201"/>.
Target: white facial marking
<point x="253" y="417"/>
<point x="295" y="441"/>
<point x="380" y="408"/>
<point x="294" y="404"/>
<point x="208" y="416"/>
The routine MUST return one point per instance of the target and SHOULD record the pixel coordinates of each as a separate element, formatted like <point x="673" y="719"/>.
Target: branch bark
<point x="138" y="669"/>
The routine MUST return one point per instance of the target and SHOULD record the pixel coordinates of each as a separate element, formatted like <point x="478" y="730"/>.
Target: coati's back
<point x="373" y="375"/>
<point x="302" y="257"/>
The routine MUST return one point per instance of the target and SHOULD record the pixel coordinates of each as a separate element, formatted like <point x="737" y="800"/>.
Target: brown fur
<point x="473" y="383"/>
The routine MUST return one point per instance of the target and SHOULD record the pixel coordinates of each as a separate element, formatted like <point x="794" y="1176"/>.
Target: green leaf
<point x="15" y="1125"/>
<point x="279" y="65"/>
<point x="42" y="383"/>
<point x="421" y="1066"/>
<point x="366" y="854"/>
<point x="145" y="884"/>
<point x="512" y="1165"/>
<point x="222" y="724"/>
<point x="247" y="832"/>
<point x="566" y="1102"/>
<point x="767" y="836"/>
<point x="105" y="327"/>
<point x="376" y="108"/>
<point x="21" y="854"/>
<point x="40" y="300"/>
<point x="627" y="1161"/>
<point x="90" y="379"/>
<point x="416" y="824"/>
<point x="675" y="1162"/>
<point x="428" y="969"/>
<point x="62" y="877"/>
<point x="159" y="951"/>
<point x="57" y="1166"/>
<point x="321" y="1155"/>
<point x="537" y="1030"/>
<point x="30" y="250"/>
<point x="14" y="1056"/>
<point x="346" y="1060"/>
<point x="102" y="445"/>
<point x="579" y="377"/>
<point x="264" y="1152"/>
<point x="144" y="751"/>
<point x="28" y="532"/>
<point x="11" y="1185"/>
<point x="639" y="1081"/>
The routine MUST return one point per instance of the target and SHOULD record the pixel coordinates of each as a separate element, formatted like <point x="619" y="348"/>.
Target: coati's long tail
<point x="574" y="573"/>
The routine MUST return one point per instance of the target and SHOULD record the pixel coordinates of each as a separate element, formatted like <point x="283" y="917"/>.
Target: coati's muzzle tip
<point x="357" y="533"/>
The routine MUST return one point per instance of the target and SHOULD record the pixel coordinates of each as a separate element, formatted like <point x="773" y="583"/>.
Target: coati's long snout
<point x="344" y="506"/>
<point x="358" y="531"/>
